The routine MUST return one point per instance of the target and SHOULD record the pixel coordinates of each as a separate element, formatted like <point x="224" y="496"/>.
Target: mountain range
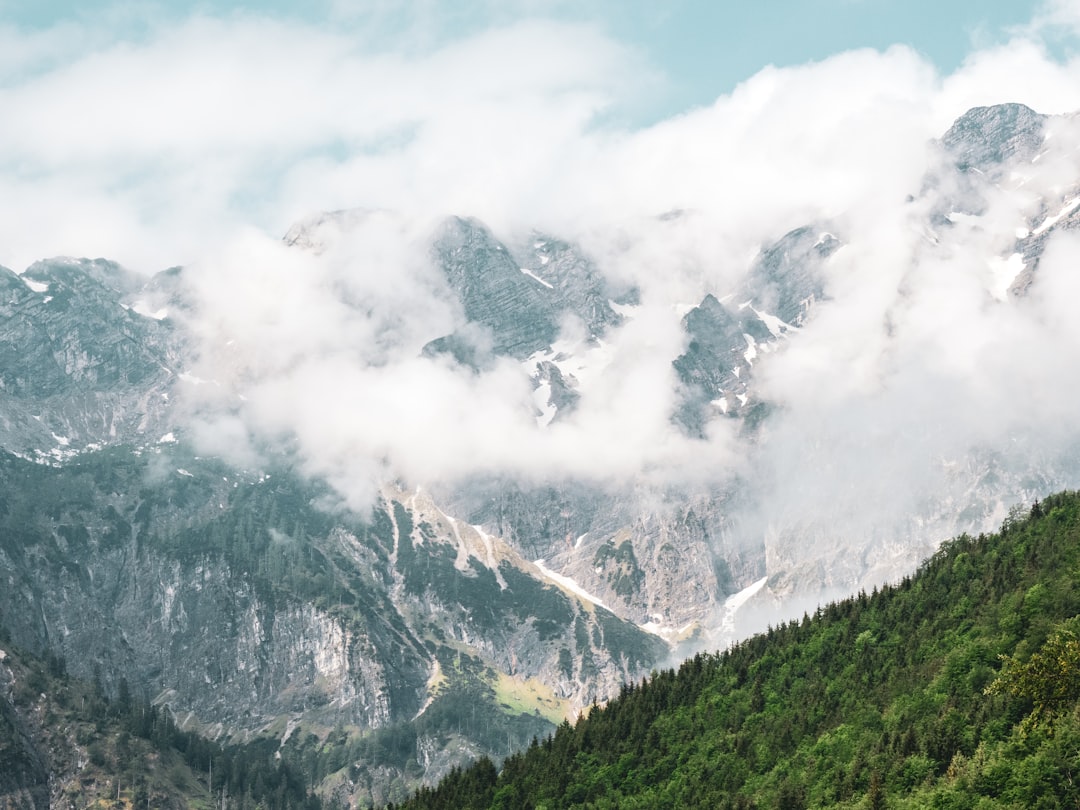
<point x="200" y="503"/>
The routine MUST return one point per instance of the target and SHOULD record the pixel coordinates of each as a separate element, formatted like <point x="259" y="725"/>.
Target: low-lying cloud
<point x="201" y="143"/>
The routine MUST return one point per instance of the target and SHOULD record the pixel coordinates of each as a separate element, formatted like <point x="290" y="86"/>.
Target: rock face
<point x="986" y="138"/>
<point x="576" y="283"/>
<point x="237" y="603"/>
<point x="725" y="339"/>
<point x="77" y="364"/>
<point x="516" y="310"/>
<point x="616" y="544"/>
<point x="632" y="550"/>
<point x="455" y="619"/>
<point x="24" y="768"/>
<point x="516" y="301"/>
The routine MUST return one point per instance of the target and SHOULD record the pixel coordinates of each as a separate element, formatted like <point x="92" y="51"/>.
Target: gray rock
<point x="984" y="138"/>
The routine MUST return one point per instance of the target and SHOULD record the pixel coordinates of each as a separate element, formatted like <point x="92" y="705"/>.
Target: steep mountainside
<point x="78" y="365"/>
<point x="164" y="518"/>
<point x="246" y="608"/>
<point x="65" y="744"/>
<point x="957" y="687"/>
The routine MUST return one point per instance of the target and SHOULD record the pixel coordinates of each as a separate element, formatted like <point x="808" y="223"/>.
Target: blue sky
<point x="175" y="134"/>
<point x="701" y="48"/>
<point x="148" y="131"/>
<point x="710" y="47"/>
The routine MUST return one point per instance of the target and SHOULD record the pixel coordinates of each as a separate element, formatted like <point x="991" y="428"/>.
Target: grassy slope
<point x="877" y="701"/>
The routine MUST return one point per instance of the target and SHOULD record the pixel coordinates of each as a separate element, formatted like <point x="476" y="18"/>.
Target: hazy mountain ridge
<point x="956" y="686"/>
<point x="231" y="600"/>
<point x="988" y="154"/>
<point x="450" y="615"/>
<point x="79" y="365"/>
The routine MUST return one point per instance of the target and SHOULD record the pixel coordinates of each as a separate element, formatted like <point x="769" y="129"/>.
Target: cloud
<point x="1052" y="16"/>
<point x="201" y="142"/>
<point x="183" y="135"/>
<point x="323" y="352"/>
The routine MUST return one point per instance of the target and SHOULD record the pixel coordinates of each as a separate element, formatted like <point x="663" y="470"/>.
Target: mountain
<point x="237" y="603"/>
<point x="80" y="364"/>
<point x="956" y="687"/>
<point x="724" y="340"/>
<point x="686" y="549"/>
<point x="64" y="743"/>
<point x="468" y="498"/>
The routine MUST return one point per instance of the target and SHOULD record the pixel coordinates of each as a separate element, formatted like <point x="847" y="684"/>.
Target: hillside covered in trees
<point x="66" y="743"/>
<point x="957" y="687"/>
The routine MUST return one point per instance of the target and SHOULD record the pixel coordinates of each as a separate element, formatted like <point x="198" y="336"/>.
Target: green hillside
<point x="66" y="743"/>
<point x="955" y="688"/>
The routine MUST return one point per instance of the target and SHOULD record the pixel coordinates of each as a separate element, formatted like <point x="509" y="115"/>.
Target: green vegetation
<point x="134" y="754"/>
<point x="284" y="540"/>
<point x="958" y="687"/>
<point x="625" y="575"/>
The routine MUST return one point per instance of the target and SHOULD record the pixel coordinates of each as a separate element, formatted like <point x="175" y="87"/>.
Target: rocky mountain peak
<point x="985" y="137"/>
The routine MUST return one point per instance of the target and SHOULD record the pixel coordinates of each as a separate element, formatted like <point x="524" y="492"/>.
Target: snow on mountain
<point x="816" y="419"/>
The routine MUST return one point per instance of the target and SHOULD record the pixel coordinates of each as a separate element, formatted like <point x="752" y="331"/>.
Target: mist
<point x="201" y="144"/>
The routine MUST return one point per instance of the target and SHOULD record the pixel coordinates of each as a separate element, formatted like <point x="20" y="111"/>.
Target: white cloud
<point x="217" y="122"/>
<point x="200" y="143"/>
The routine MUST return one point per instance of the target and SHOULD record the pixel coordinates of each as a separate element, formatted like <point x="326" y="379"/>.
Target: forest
<point x="956" y="687"/>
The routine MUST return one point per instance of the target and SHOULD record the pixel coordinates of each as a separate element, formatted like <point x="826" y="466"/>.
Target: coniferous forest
<point x="136" y="755"/>
<point x="957" y="687"/>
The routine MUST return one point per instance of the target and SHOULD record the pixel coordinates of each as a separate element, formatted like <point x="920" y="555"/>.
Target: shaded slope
<point x="880" y="700"/>
<point x="249" y="607"/>
<point x="66" y="743"/>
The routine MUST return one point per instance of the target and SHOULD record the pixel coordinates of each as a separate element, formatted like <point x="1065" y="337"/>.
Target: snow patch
<point x="736" y="601"/>
<point x="567" y="583"/>
<point x="142" y="308"/>
<point x="1002" y="274"/>
<point x="960" y="216"/>
<point x="657" y="629"/>
<point x="577" y="360"/>
<point x="542" y="401"/>
<point x="772" y="323"/>
<point x="168" y="438"/>
<point x="535" y="277"/>
<point x="1050" y="222"/>
<point x="36" y="286"/>
<point x="751" y="349"/>
<point x="489" y="550"/>
<point x="625" y="310"/>
<point x="670" y="634"/>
